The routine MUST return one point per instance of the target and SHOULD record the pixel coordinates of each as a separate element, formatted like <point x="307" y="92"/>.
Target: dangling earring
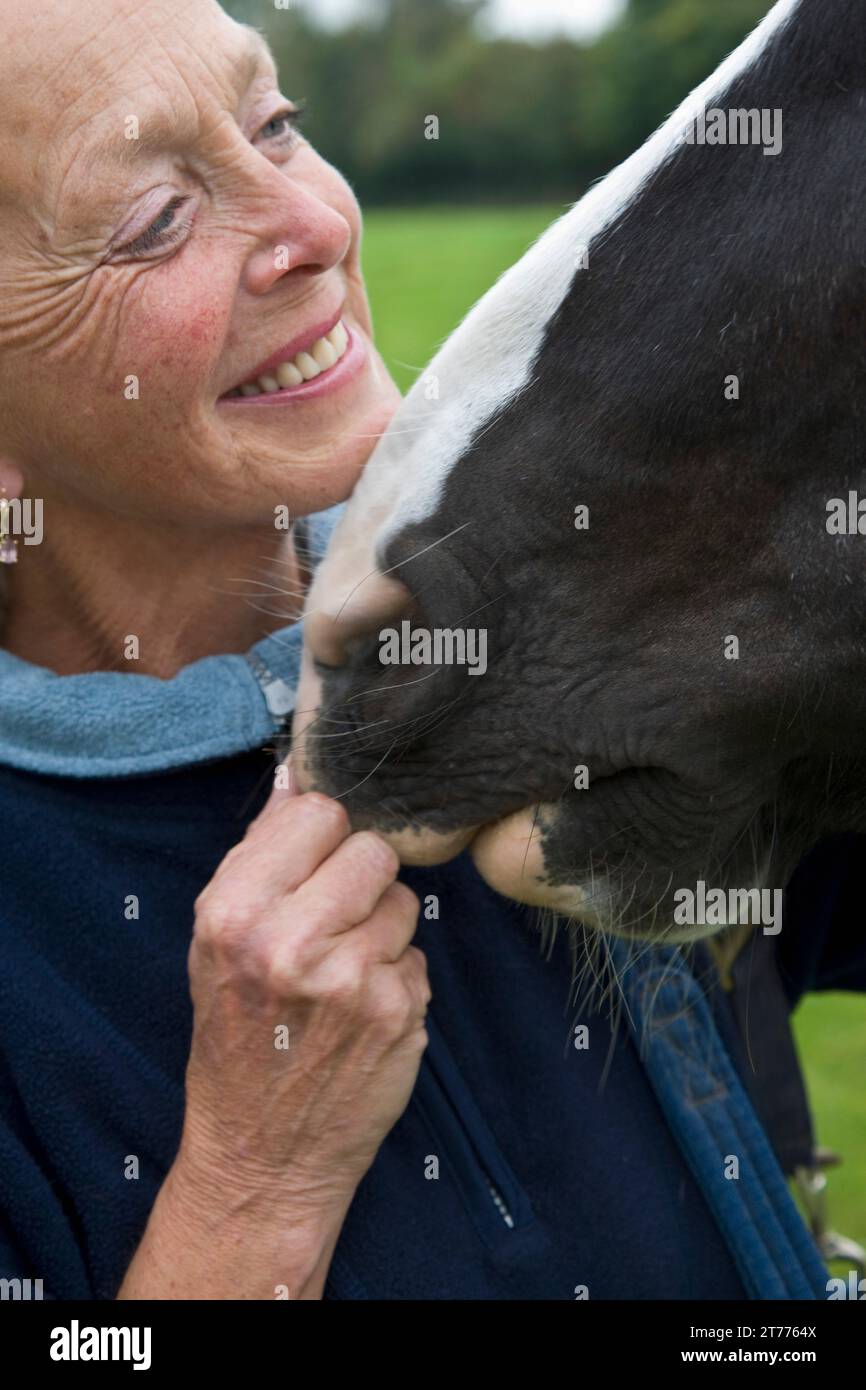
<point x="11" y="481"/>
<point x="8" y="543"/>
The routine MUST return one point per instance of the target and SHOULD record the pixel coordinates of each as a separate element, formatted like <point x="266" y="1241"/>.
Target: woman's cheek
<point x="150" y="336"/>
<point x="175" y="343"/>
<point x="143" y="393"/>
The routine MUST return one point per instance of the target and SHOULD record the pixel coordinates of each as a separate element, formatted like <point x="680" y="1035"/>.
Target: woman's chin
<point x="316" y="449"/>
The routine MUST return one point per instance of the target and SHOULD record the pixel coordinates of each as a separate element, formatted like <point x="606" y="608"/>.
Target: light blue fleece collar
<point x="110" y="724"/>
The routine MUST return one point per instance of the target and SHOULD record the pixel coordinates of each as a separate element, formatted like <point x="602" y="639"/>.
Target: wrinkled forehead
<point x="72" y="72"/>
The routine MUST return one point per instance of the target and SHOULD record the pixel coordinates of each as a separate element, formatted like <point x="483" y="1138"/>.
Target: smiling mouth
<point x="305" y="366"/>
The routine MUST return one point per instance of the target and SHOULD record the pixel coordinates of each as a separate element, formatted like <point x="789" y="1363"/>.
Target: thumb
<point x="285" y="786"/>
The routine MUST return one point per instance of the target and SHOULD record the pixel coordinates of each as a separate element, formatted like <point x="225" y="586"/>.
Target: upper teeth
<point x="302" y="367"/>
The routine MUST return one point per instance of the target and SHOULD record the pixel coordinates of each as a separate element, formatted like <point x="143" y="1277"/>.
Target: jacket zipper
<point x="486" y="1184"/>
<point x="500" y="1205"/>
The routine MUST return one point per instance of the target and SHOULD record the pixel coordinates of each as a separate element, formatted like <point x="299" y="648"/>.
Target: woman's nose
<point x="301" y="234"/>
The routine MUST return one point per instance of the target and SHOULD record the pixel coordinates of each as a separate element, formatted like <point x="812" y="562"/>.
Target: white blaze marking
<point x="489" y="358"/>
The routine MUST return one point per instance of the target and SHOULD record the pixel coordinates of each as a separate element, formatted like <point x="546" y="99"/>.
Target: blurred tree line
<point x="517" y="120"/>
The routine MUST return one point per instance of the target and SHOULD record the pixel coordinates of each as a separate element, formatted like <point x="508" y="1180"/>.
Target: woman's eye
<point x="160" y="232"/>
<point x="282" y="126"/>
<point x="166" y="228"/>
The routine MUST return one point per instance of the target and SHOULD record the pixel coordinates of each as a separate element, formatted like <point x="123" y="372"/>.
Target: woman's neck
<point x="148" y="601"/>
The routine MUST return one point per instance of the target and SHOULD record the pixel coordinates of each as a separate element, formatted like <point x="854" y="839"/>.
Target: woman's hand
<point x="309" y="1001"/>
<point x="309" y="1029"/>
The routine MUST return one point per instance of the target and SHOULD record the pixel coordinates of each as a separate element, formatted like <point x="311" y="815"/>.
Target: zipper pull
<point x="278" y="694"/>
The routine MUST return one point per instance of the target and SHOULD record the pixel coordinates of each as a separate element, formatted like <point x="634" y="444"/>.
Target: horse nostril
<point x="362" y="611"/>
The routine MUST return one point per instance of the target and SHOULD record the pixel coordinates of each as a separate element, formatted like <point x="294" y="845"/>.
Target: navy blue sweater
<point x="555" y="1167"/>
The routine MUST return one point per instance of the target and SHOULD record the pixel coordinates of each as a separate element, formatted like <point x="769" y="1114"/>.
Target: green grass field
<point x="831" y="1035"/>
<point x="424" y="269"/>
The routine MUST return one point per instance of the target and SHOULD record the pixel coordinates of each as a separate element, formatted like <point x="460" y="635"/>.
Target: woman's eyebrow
<point x="258" y="53"/>
<point x="156" y="130"/>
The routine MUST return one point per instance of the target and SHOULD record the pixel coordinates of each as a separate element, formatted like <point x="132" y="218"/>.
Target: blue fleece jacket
<point x="523" y="1167"/>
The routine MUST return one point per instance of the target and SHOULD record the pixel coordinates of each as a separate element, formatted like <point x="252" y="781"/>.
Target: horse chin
<point x="509" y="856"/>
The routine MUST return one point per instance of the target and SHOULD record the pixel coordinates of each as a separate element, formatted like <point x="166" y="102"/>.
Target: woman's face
<point x="164" y="233"/>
